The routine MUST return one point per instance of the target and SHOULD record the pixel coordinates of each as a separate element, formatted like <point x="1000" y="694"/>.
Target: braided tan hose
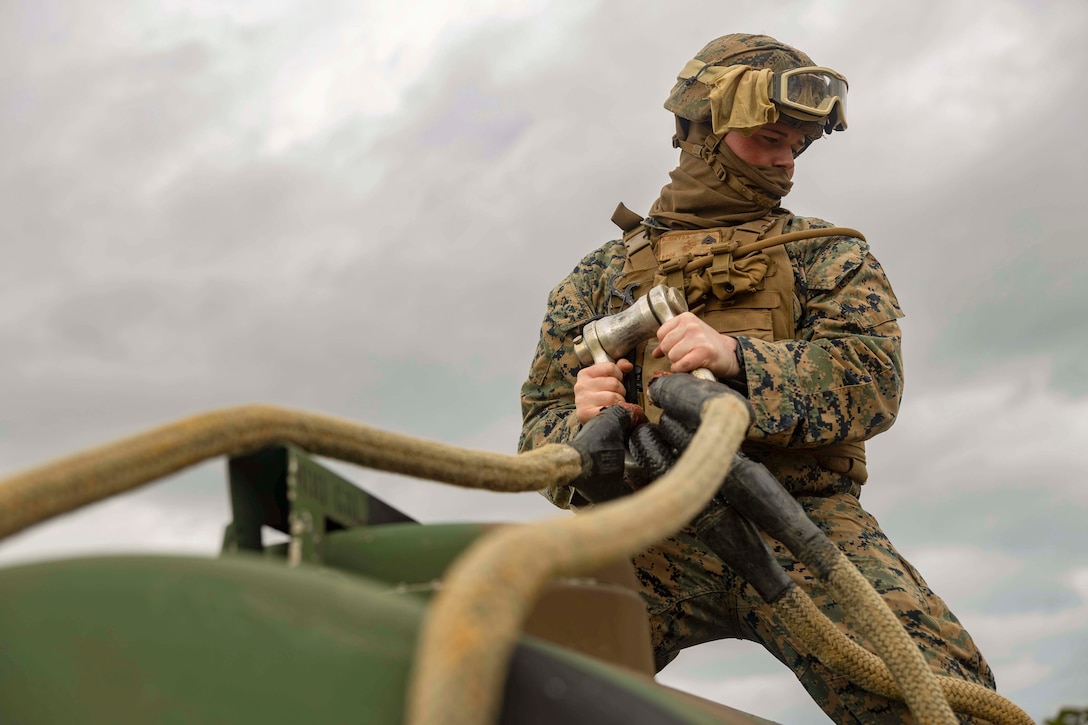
<point x="882" y="629"/>
<point x="862" y="667"/>
<point x="64" y="485"/>
<point x="471" y="628"/>
<point x="755" y="492"/>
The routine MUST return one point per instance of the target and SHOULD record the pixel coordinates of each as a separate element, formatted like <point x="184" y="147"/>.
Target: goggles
<point x="811" y="94"/>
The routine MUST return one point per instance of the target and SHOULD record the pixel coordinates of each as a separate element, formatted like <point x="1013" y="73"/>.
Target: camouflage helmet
<point x="689" y="99"/>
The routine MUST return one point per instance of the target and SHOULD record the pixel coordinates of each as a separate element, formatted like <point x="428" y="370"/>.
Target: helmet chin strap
<point x="682" y="128"/>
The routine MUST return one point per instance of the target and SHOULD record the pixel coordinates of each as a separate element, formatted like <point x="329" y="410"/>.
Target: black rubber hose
<point x="601" y="445"/>
<point x="756" y="493"/>
<point x="682" y="396"/>
<point x="651" y="450"/>
<point x="676" y="433"/>
<point x="735" y="540"/>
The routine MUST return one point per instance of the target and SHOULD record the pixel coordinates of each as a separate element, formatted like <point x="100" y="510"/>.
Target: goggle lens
<point x="816" y="92"/>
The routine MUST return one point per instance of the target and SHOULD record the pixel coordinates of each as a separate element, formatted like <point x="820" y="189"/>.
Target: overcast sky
<point x="359" y="209"/>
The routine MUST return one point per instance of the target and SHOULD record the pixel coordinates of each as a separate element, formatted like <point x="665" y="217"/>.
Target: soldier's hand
<point x="690" y="343"/>
<point x="598" y="386"/>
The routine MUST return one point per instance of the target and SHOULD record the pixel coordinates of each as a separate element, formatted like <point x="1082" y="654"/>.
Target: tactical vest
<point x="737" y="285"/>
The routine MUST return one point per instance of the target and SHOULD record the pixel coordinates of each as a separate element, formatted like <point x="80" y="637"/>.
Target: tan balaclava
<point x="725" y="89"/>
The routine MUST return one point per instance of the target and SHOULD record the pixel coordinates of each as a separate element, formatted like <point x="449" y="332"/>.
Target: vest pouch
<point x="750" y="315"/>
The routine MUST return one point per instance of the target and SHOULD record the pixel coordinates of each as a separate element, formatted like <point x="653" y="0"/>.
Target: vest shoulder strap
<point x="626" y="219"/>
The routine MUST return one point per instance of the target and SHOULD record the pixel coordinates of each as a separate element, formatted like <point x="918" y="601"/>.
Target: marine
<point x="805" y="328"/>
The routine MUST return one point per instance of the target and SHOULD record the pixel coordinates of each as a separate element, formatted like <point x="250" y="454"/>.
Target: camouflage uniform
<point x="839" y="380"/>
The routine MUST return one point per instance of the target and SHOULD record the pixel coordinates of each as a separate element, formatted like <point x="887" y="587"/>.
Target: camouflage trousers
<point x="693" y="597"/>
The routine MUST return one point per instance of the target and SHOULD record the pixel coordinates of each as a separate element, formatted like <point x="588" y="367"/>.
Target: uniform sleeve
<point x="547" y="396"/>
<point x="841" y="379"/>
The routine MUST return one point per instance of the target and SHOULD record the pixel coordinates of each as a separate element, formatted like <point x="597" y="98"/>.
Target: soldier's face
<point x="772" y="144"/>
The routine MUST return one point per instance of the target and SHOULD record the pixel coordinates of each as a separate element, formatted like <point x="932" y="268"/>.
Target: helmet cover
<point x="690" y="99"/>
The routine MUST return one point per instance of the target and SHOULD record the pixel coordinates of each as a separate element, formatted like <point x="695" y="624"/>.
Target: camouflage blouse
<point x="840" y="379"/>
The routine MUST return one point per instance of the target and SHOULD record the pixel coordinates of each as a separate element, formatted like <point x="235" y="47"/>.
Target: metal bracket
<point x="285" y="489"/>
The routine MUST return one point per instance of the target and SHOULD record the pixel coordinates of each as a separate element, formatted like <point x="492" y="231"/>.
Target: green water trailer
<point x="321" y="628"/>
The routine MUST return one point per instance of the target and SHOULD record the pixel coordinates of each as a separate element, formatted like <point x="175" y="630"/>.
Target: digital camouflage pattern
<point x="840" y="380"/>
<point x="693" y="597"/>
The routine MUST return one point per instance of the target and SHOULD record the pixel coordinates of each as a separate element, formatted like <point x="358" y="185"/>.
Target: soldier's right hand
<point x="599" y="386"/>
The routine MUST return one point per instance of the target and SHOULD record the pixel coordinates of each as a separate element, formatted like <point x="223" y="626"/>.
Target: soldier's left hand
<point x="690" y="343"/>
